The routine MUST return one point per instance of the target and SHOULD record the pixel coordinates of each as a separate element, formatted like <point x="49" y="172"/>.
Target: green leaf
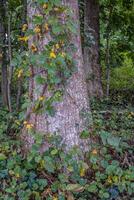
<point x="40" y="80"/>
<point x="57" y="29"/>
<point x="74" y="188"/>
<point x="49" y="164"/>
<point x="42" y="183"/>
<point x="113" y="141"/>
<point x="92" y="188"/>
<point x="2" y="157"/>
<point x="84" y="134"/>
<point x="104" y="135"/>
<point x="106" y="195"/>
<point x="54" y="152"/>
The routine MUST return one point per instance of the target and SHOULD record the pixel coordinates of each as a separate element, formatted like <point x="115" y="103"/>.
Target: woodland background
<point x="66" y="99"/>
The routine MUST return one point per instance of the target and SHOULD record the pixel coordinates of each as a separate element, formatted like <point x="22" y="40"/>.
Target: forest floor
<point x="106" y="173"/>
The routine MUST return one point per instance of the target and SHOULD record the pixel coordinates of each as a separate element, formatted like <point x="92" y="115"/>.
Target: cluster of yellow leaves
<point x="57" y="46"/>
<point x="11" y="172"/>
<point x="82" y="172"/>
<point x="112" y="179"/>
<point x="24" y="27"/>
<point x="23" y="39"/>
<point x="37" y="29"/>
<point x="52" y="54"/>
<point x="20" y="73"/>
<point x="28" y="125"/>
<point x="54" y="50"/>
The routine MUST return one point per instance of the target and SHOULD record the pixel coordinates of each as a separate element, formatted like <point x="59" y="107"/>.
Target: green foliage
<point x="54" y="63"/>
<point x="106" y="173"/>
<point x="121" y="77"/>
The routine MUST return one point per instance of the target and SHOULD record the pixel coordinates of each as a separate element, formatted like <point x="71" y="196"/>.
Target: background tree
<point x="3" y="53"/>
<point x="92" y="48"/>
<point x="116" y="18"/>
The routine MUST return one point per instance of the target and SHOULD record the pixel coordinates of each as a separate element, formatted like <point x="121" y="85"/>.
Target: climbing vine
<point x="47" y="61"/>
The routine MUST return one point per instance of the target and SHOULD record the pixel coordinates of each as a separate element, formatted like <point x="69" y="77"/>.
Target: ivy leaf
<point x="92" y="188"/>
<point x="49" y="164"/>
<point x="40" y="80"/>
<point x="74" y="188"/>
<point x="84" y="134"/>
<point x="54" y="152"/>
<point x="57" y="29"/>
<point x="2" y="157"/>
<point x="113" y="141"/>
<point x="104" y="135"/>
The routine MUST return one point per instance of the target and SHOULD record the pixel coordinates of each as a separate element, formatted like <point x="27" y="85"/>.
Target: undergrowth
<point x="106" y="173"/>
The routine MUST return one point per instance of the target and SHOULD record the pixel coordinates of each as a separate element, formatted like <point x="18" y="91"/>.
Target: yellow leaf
<point x="57" y="46"/>
<point x="45" y="6"/>
<point x="52" y="55"/>
<point x="29" y="126"/>
<point x="46" y="27"/>
<point x="23" y="39"/>
<point x="94" y="152"/>
<point x="20" y="73"/>
<point x="37" y="29"/>
<point x="82" y="172"/>
<point x="109" y="180"/>
<point x="17" y="175"/>
<point x="41" y="98"/>
<point x="24" y="27"/>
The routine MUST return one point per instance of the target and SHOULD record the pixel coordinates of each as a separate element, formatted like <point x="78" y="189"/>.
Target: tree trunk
<point x="10" y="70"/>
<point x="73" y="113"/>
<point x="20" y="84"/>
<point x="3" y="54"/>
<point x="91" y="52"/>
<point x="107" y="67"/>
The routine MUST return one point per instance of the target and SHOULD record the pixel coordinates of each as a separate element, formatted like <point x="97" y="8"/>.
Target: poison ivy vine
<point x="51" y="65"/>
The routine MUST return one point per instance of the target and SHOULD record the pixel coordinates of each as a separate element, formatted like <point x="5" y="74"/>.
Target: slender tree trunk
<point x="24" y="21"/>
<point x="107" y="68"/>
<point x="91" y="53"/>
<point x="10" y="71"/>
<point x="3" y="54"/>
<point x="108" y="32"/>
<point x="73" y="113"/>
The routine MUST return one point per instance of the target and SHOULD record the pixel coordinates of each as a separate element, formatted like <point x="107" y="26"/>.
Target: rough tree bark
<point x="3" y="56"/>
<point x="73" y="113"/>
<point x="91" y="53"/>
